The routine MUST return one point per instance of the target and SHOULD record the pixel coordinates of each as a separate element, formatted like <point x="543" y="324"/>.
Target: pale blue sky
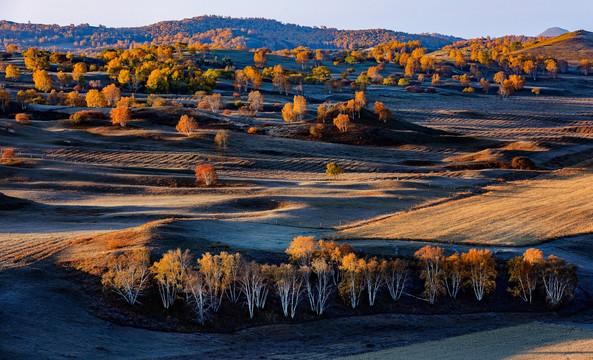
<point x="464" y="18"/>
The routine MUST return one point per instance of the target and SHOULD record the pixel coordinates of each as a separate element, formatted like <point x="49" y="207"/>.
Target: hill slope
<point x="572" y="47"/>
<point x="225" y="31"/>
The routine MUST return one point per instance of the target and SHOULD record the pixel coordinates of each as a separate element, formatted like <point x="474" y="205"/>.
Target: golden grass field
<point x="520" y="214"/>
<point x="522" y="342"/>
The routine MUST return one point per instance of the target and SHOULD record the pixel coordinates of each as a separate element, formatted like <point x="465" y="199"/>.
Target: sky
<point x="463" y="18"/>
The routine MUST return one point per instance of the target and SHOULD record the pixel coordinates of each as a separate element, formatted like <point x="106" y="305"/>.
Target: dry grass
<point x="527" y="341"/>
<point x="522" y="214"/>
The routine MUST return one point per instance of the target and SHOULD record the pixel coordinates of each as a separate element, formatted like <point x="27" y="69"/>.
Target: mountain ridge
<point x="218" y="30"/>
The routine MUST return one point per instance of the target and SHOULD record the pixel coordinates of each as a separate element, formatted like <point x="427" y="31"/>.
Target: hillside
<point x="224" y="31"/>
<point x="572" y="47"/>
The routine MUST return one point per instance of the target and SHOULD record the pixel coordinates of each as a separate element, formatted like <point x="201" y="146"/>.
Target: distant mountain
<point x="224" y="31"/>
<point x="553" y="32"/>
<point x="572" y="47"/>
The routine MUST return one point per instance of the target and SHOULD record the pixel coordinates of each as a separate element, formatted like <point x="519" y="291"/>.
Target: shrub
<point x="238" y="104"/>
<point x="403" y="82"/>
<point x="226" y="113"/>
<point x="469" y="90"/>
<point x="81" y="117"/>
<point x="536" y="91"/>
<point x="8" y="154"/>
<point x="333" y="170"/>
<point x="317" y="130"/>
<point x="414" y="89"/>
<point x="22" y="118"/>
<point x="523" y="163"/>
<point x="253" y="130"/>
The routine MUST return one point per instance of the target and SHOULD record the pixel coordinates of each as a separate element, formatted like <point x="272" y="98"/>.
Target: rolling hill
<point x="224" y="31"/>
<point x="572" y="47"/>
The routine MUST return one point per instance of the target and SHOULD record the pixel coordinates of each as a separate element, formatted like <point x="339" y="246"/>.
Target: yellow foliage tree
<point x="43" y="81"/>
<point x="481" y="271"/>
<point x="186" y="125"/>
<point x="121" y="115"/>
<point x="12" y="72"/>
<point x="95" y="98"/>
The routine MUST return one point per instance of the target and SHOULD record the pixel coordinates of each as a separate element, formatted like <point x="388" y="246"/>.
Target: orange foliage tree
<point x="481" y="271"/>
<point x="301" y="250"/>
<point x="127" y="274"/>
<point x="342" y="121"/>
<point x="186" y="125"/>
<point x="523" y="273"/>
<point x="121" y="115"/>
<point x="206" y="174"/>
<point x="431" y="259"/>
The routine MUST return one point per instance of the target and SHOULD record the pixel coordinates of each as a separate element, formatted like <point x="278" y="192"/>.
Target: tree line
<point x="319" y="269"/>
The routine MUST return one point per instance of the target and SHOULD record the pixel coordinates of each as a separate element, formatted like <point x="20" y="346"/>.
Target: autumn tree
<point x="121" y="115"/>
<point x="559" y="278"/>
<point x="8" y="154"/>
<point x="127" y="274"/>
<point x="288" y="283"/>
<point x="253" y="286"/>
<point x="43" y="81"/>
<point x="374" y="277"/>
<point x="333" y="170"/>
<point x="485" y="85"/>
<point x="352" y="283"/>
<point x="395" y="277"/>
<point x="12" y="72"/>
<point x="197" y="293"/>
<point x="431" y="259"/>
<point x="436" y="79"/>
<point x="75" y="100"/>
<point x="524" y="272"/>
<point x="256" y="101"/>
<point x="506" y="89"/>
<point x="78" y="72"/>
<point x="342" y="122"/>
<point x="157" y="82"/>
<point x="552" y="67"/>
<point x="518" y="82"/>
<point x="22" y="119"/>
<point x="214" y="101"/>
<point x="410" y="68"/>
<point x="232" y="265"/>
<point x="360" y="101"/>
<point x="186" y="125"/>
<point x="530" y="68"/>
<point x="585" y="66"/>
<point x="212" y="269"/>
<point x="63" y="79"/>
<point x="288" y="113"/>
<point x="302" y="59"/>
<point x="95" y="98"/>
<point x="169" y="274"/>
<point x="318" y="283"/>
<point x="453" y="274"/>
<point x="481" y="271"/>
<point x="299" y="107"/>
<point x="241" y="81"/>
<point x="301" y="250"/>
<point x="464" y="80"/>
<point x="460" y="61"/>
<point x="206" y="174"/>
<point x="500" y="77"/>
<point x="322" y="112"/>
<point x="260" y="57"/>
<point x="4" y="100"/>
<point x="124" y="77"/>
<point x="221" y="139"/>
<point x="383" y="112"/>
<point x="112" y="94"/>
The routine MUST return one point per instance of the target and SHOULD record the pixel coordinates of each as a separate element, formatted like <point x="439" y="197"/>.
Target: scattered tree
<point x="221" y="139"/>
<point x="256" y="101"/>
<point x="112" y="94"/>
<point x="12" y="72"/>
<point x="95" y="98"/>
<point x="206" y="174"/>
<point x="186" y="125"/>
<point x="431" y="259"/>
<point x="396" y="276"/>
<point x="333" y="170"/>
<point x="42" y="80"/>
<point x="523" y="272"/>
<point x="342" y="122"/>
<point x="481" y="271"/>
<point x="121" y="115"/>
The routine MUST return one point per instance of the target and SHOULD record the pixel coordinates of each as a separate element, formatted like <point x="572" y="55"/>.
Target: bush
<point x="85" y="116"/>
<point x="469" y="90"/>
<point x="414" y="89"/>
<point x="253" y="130"/>
<point x="403" y="82"/>
<point x="317" y="130"/>
<point x="523" y="163"/>
<point x="238" y="104"/>
<point x="226" y="113"/>
<point x="389" y="82"/>
<point x="22" y="118"/>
